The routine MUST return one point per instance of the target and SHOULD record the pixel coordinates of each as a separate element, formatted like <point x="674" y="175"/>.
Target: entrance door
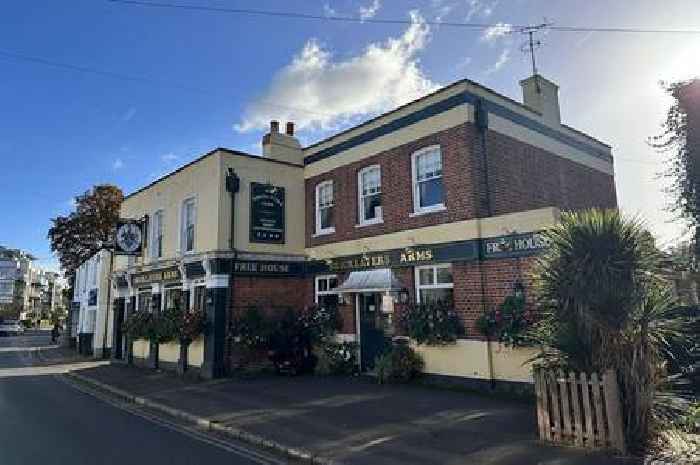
<point x="373" y="337"/>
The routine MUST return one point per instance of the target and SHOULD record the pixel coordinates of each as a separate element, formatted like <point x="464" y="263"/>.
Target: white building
<point x="91" y="296"/>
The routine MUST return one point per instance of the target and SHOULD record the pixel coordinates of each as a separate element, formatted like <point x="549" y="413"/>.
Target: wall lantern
<point x="518" y="289"/>
<point x="403" y="296"/>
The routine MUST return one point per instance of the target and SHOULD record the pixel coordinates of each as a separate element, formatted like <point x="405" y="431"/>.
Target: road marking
<point x="193" y="433"/>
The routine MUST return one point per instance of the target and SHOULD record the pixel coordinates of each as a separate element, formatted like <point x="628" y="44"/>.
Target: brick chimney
<point x="542" y="95"/>
<point x="282" y="147"/>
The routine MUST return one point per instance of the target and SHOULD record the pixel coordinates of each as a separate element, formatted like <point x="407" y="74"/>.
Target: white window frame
<point x="361" y="196"/>
<point x="316" y="286"/>
<point x="435" y="284"/>
<point x="153" y="252"/>
<point x="330" y="230"/>
<point x="183" y="232"/>
<point x="417" y="209"/>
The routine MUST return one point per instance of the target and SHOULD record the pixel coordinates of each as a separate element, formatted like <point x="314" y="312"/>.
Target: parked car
<point x="11" y="328"/>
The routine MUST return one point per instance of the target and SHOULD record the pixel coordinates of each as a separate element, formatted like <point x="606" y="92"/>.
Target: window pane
<point x="189" y="243"/>
<point x="429" y="165"/>
<point x="428" y="296"/>
<point x="322" y="285"/>
<point x="430" y="192"/>
<point x="444" y="275"/>
<point x="332" y="283"/>
<point x="372" y="207"/>
<point x="326" y="217"/>
<point x="325" y="195"/>
<point x="425" y="276"/>
<point x="371" y="181"/>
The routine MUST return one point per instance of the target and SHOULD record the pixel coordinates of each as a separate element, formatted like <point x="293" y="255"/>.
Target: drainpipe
<point x="481" y="120"/>
<point x="109" y="303"/>
<point x="233" y="185"/>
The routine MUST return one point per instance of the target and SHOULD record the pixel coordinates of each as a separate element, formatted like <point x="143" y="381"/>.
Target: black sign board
<point x="269" y="269"/>
<point x="129" y="237"/>
<point x="266" y="213"/>
<point x="515" y="245"/>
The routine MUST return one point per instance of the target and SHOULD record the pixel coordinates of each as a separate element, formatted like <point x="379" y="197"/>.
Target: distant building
<point x="90" y="301"/>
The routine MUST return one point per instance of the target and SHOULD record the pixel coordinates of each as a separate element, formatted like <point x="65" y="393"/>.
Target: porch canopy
<point x="379" y="280"/>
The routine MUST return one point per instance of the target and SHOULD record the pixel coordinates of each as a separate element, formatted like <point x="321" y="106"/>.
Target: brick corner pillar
<point x="215" y="335"/>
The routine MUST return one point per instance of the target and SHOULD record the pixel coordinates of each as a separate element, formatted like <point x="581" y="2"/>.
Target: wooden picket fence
<point x="579" y="409"/>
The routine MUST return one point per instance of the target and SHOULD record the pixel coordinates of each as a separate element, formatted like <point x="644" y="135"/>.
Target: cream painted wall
<point x="469" y="359"/>
<point x="141" y="348"/>
<point x="169" y="352"/>
<point x="195" y="353"/>
<point x="258" y="169"/>
<point x="520" y="222"/>
<point x="201" y="180"/>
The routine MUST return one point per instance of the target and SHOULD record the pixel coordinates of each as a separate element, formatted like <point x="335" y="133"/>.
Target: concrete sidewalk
<point x="353" y="421"/>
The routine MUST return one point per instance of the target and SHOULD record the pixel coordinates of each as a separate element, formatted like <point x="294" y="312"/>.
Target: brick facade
<point x="520" y="177"/>
<point x="271" y="294"/>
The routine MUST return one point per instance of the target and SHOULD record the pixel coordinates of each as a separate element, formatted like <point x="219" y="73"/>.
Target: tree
<point x="607" y="306"/>
<point x="77" y="237"/>
<point x="681" y="137"/>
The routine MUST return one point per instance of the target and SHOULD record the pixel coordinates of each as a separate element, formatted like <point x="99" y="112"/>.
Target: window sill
<point x="370" y="223"/>
<point x="326" y="232"/>
<point x="428" y="211"/>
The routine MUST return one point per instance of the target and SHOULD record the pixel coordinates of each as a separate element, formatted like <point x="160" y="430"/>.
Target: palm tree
<point x="606" y="306"/>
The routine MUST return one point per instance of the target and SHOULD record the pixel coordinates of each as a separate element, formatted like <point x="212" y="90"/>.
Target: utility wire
<point x="355" y="19"/>
<point x="14" y="56"/>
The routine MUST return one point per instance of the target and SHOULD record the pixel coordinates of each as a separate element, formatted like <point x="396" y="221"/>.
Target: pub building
<point x="443" y="198"/>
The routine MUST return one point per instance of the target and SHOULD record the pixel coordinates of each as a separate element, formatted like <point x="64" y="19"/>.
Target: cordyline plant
<point x="605" y="306"/>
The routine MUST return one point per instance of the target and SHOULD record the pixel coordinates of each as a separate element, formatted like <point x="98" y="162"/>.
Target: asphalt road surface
<point x="44" y="420"/>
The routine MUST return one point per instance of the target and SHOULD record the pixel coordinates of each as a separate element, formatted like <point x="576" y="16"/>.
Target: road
<point x="44" y="420"/>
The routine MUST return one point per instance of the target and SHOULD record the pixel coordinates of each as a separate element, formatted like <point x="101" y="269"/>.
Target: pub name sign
<point x="168" y="274"/>
<point x="266" y="213"/>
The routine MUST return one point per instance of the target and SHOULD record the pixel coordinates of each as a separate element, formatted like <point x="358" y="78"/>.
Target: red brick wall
<point x="269" y="294"/>
<point x="499" y="278"/>
<point x="521" y="177"/>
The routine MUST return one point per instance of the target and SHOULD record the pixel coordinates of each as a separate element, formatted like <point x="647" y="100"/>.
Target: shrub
<point x="509" y="323"/>
<point x="432" y="324"/>
<point x="138" y="325"/>
<point x="336" y="358"/>
<point x="251" y="329"/>
<point x="400" y="364"/>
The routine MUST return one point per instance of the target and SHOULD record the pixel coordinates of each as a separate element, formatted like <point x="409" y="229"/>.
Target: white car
<point x="11" y="328"/>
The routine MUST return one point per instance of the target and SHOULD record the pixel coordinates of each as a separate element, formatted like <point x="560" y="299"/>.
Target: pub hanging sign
<point x="128" y="238"/>
<point x="267" y="207"/>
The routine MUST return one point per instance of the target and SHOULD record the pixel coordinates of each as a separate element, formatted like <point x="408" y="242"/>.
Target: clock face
<point x="129" y="237"/>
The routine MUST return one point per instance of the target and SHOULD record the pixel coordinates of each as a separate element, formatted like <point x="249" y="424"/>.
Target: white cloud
<point x="502" y="60"/>
<point x="169" y="157"/>
<point x="480" y="8"/>
<point x="496" y="31"/>
<point x="328" y="10"/>
<point x="369" y="11"/>
<point x="318" y="92"/>
<point x="118" y="164"/>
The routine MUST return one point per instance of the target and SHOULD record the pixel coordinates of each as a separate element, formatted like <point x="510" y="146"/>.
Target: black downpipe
<point x="481" y="119"/>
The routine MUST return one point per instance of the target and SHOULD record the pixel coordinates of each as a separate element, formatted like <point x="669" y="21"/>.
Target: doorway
<point x="374" y="328"/>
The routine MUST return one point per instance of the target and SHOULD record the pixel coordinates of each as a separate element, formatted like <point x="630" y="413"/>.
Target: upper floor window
<point x="157" y="235"/>
<point x="188" y="222"/>
<point x="369" y="193"/>
<point x="428" y="189"/>
<point x="324" y="208"/>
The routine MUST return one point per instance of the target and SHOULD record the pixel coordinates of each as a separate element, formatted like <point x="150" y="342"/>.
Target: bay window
<point x="369" y="195"/>
<point x="428" y="191"/>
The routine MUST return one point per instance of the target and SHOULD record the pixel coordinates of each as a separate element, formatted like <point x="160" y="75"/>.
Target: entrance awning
<point x="379" y="280"/>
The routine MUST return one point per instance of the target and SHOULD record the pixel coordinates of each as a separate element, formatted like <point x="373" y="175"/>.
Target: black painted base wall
<point x="512" y="389"/>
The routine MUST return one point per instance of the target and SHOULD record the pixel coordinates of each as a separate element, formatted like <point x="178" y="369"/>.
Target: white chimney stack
<point x="542" y="95"/>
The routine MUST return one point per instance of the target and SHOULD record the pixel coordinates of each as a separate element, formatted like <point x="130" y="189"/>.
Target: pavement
<point x="45" y="419"/>
<point x="350" y="420"/>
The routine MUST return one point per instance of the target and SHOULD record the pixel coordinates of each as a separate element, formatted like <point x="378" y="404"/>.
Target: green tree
<point x="680" y="137"/>
<point x="77" y="236"/>
<point x="606" y="306"/>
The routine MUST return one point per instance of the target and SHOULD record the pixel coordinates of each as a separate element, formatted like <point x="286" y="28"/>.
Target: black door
<point x="373" y="339"/>
<point x="117" y="327"/>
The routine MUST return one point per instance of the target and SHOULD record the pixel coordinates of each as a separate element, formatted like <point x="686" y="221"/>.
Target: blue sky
<point x="211" y="79"/>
